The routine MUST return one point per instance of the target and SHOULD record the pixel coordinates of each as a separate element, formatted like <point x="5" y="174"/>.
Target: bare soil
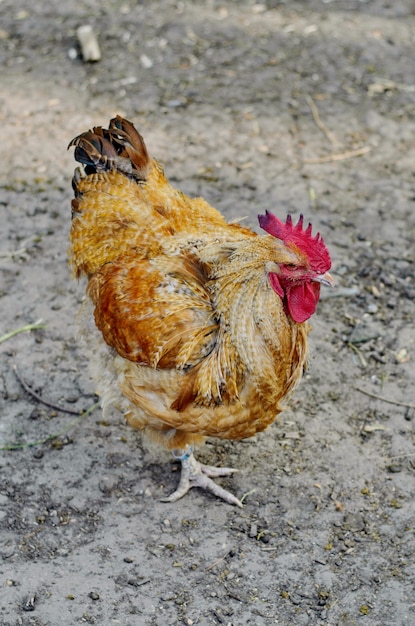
<point x="282" y="105"/>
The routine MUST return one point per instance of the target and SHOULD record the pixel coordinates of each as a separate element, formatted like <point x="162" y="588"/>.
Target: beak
<point x="324" y="279"/>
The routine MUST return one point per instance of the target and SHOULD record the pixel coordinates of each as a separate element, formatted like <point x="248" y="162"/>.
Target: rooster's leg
<point x="195" y="474"/>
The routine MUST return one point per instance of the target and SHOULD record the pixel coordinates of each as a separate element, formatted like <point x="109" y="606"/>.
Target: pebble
<point x="29" y="604"/>
<point x="145" y="61"/>
<point x="395" y="468"/>
<point x="93" y="595"/>
<point x="107" y="484"/>
<point x="22" y="15"/>
<point x="62" y="552"/>
<point x="362" y="333"/>
<point x="176" y="103"/>
<point x="409" y="414"/>
<point x="88" y="43"/>
<point x="72" y="398"/>
<point x="293" y="434"/>
<point x="253" y="531"/>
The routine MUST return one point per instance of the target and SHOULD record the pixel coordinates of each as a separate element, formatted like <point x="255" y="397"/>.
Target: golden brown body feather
<point x="195" y="341"/>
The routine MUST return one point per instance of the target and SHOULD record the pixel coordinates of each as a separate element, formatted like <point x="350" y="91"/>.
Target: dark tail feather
<point x="119" y="147"/>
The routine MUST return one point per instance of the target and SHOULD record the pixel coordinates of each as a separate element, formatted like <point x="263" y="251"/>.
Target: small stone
<point x="409" y="414"/>
<point x="72" y="398"/>
<point x="29" y="604"/>
<point x="371" y="428"/>
<point x="93" y="595"/>
<point x="362" y="333"/>
<point x="292" y="434"/>
<point x="402" y="356"/>
<point x="395" y="468"/>
<point x="88" y="43"/>
<point x="22" y="15"/>
<point x="145" y="61"/>
<point x="175" y="104"/>
<point x="108" y="484"/>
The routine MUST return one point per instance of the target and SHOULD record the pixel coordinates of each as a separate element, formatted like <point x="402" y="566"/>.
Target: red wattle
<point x="302" y="301"/>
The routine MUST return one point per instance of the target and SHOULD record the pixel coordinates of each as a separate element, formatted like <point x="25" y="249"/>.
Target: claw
<point x="195" y="474"/>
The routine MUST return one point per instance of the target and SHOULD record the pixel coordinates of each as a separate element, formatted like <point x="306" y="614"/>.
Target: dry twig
<point x="31" y="444"/>
<point x="383" y="399"/>
<point x="30" y="391"/>
<point x="19" y="252"/>
<point x="215" y="563"/>
<point x="319" y="123"/>
<point x="248" y="493"/>
<point x="349" y="154"/>
<point x="362" y="359"/>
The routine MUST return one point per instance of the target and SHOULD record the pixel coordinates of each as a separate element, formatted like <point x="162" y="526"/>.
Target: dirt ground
<point x="282" y="105"/>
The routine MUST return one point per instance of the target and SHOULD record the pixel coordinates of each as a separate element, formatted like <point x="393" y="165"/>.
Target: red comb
<point x="313" y="247"/>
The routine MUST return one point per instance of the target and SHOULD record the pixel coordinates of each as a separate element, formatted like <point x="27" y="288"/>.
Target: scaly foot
<point x="195" y="474"/>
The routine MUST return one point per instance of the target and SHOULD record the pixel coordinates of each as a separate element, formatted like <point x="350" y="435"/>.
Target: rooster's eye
<point x="290" y="266"/>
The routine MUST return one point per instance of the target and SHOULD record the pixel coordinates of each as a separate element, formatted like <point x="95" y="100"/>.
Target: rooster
<point x="200" y="325"/>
